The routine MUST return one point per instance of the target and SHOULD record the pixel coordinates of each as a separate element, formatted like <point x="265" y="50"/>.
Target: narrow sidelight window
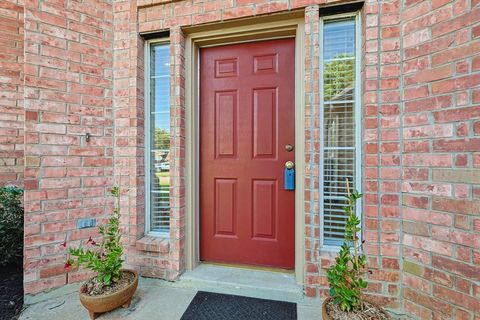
<point x="157" y="137"/>
<point x="340" y="121"/>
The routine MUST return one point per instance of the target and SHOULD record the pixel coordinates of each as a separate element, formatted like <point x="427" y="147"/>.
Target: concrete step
<point x="255" y="283"/>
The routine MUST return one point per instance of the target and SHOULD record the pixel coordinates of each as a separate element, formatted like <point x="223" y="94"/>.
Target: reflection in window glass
<point x="159" y="137"/>
<point x="339" y="146"/>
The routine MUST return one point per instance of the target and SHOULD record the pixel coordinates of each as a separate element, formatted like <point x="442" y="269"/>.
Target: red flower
<point x="91" y="241"/>
<point x="67" y="265"/>
<point x="64" y="244"/>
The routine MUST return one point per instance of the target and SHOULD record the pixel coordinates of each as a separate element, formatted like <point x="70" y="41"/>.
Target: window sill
<point x="153" y="244"/>
<point x="330" y="249"/>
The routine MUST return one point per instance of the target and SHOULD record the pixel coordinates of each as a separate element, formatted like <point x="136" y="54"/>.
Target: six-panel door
<point x="246" y="122"/>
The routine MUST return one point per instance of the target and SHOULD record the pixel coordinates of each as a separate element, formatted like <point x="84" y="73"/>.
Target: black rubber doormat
<point x="216" y="306"/>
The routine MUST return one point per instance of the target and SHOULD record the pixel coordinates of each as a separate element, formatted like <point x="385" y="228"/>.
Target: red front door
<point x="246" y="122"/>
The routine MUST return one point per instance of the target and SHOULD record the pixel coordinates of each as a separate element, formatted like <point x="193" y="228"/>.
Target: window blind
<point x="338" y="148"/>
<point x="159" y="140"/>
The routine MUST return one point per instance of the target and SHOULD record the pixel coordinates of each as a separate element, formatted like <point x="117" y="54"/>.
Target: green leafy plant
<point x="338" y="76"/>
<point x="11" y="225"/>
<point x="104" y="258"/>
<point x="345" y="276"/>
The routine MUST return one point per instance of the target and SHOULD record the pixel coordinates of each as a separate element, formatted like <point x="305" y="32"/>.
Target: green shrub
<point x="344" y="277"/>
<point x="11" y="225"/>
<point x="105" y="258"/>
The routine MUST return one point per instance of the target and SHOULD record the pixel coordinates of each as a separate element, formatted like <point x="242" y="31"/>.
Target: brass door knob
<point x="289" y="164"/>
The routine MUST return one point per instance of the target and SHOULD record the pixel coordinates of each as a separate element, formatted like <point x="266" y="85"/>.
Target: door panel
<point x="246" y="119"/>
<point x="264" y="208"/>
<point x="225" y="207"/>
<point x="225" y="123"/>
<point x="264" y="123"/>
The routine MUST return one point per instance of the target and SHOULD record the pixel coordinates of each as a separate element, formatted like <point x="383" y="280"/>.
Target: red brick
<point x="30" y="184"/>
<point x="429" y="47"/>
<point x="429" y="160"/>
<point x="454" y="84"/>
<point x="456" y="236"/>
<point x="457" y="298"/>
<point x="457" y="145"/>
<point x="429" y="302"/>
<point x="416" y="282"/>
<point x="427" y="188"/>
<point x="476" y="128"/>
<point x="416" y="92"/>
<point x="456" y="205"/>
<point x="462" y="222"/>
<point x="427" y="216"/>
<point x="416" y="146"/>
<point x="390" y="32"/>
<point x="439" y="277"/>
<point x="456" y="267"/>
<point x="456" y="23"/>
<point x="52" y="271"/>
<point x="476" y="67"/>
<point x="428" y="244"/>
<point x="418" y="311"/>
<point x="437" y="131"/>
<point x="457" y="114"/>
<point x="462" y="129"/>
<point x="41" y="285"/>
<point x="31" y="115"/>
<point x="457" y="53"/>
<point x="428" y="104"/>
<point x="415" y="173"/>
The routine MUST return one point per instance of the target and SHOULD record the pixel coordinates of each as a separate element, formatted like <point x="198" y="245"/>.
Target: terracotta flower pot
<point x="108" y="302"/>
<point x="325" y="315"/>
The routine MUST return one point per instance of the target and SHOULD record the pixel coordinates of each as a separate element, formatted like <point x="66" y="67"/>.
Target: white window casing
<point x="340" y="121"/>
<point x="157" y="137"/>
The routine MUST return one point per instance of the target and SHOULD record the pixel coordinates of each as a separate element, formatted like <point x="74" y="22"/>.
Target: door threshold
<point x="248" y="266"/>
<point x="249" y="282"/>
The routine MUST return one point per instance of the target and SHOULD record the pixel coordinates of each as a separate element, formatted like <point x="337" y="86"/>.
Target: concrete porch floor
<point x="158" y="299"/>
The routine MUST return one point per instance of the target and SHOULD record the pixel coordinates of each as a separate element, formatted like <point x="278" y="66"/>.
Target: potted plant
<point x="346" y="300"/>
<point x="112" y="286"/>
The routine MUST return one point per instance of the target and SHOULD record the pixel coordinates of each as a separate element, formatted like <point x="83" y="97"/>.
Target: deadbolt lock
<point x="289" y="147"/>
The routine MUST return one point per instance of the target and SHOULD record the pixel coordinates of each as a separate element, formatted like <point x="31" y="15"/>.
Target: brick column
<point x="177" y="149"/>
<point x="381" y="149"/>
<point x="152" y="256"/>
<point x="313" y="277"/>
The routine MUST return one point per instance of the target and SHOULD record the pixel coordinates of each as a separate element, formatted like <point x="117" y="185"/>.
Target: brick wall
<point x="421" y="144"/>
<point x="68" y="93"/>
<point x="381" y="147"/>
<point x="153" y="257"/>
<point x="440" y="184"/>
<point x="11" y="92"/>
<point x="382" y="206"/>
<point x="399" y="150"/>
<point x="420" y="107"/>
